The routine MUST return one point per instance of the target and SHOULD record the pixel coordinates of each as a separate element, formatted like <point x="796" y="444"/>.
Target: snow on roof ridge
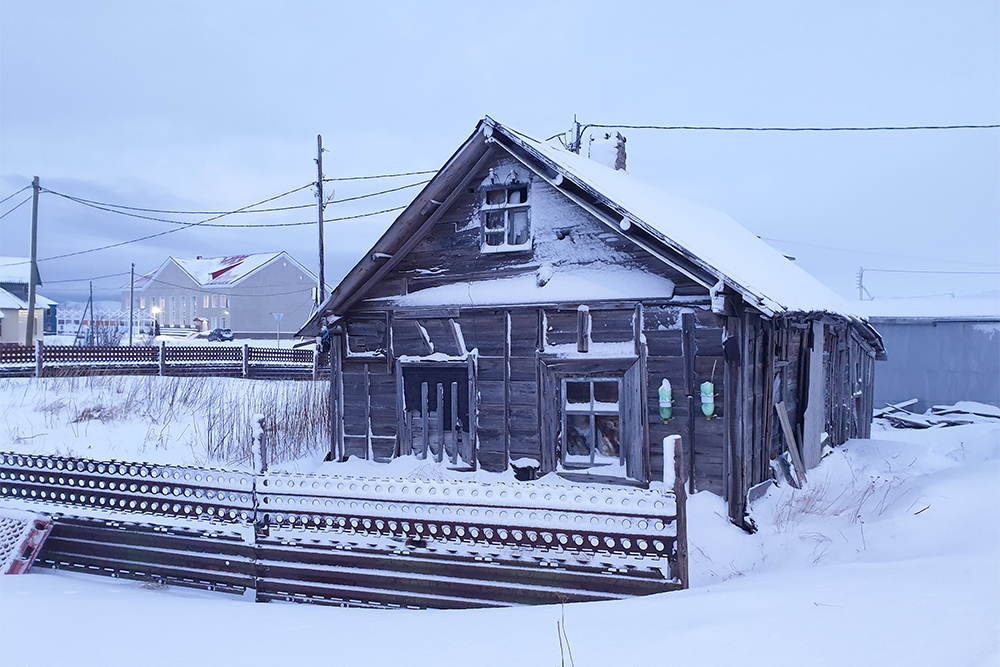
<point x="224" y="270"/>
<point x="749" y="263"/>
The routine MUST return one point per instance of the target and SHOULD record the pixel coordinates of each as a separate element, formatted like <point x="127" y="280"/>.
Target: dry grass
<point x="208" y="416"/>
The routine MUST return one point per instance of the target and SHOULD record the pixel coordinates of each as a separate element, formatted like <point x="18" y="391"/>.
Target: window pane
<point x="496" y="197"/>
<point x="607" y="436"/>
<point x="494" y="220"/>
<point x="517" y="195"/>
<point x="578" y="392"/>
<point x="578" y="435"/>
<point x="518" y="227"/>
<point x="494" y="238"/>
<point x="606" y="392"/>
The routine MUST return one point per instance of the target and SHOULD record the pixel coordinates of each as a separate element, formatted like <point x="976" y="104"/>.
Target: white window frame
<point x="491" y="208"/>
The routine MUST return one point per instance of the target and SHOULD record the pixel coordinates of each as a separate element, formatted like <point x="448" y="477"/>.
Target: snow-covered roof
<point x="15" y="270"/>
<point x="707" y="245"/>
<point x="967" y="308"/>
<point x="713" y="239"/>
<point x="10" y="302"/>
<point x="216" y="271"/>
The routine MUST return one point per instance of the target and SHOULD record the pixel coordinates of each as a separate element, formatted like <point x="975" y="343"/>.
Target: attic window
<point x="505" y="220"/>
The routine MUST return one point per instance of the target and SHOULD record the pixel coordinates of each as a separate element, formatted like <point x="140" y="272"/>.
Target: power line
<point x="83" y="280"/>
<point x="171" y="231"/>
<point x="10" y="196"/>
<point x="375" y="194"/>
<point x="16" y="207"/>
<point x="103" y="207"/>
<point x="365" y="178"/>
<point x="216" y="291"/>
<point x="950" y="273"/>
<point x="876" y="128"/>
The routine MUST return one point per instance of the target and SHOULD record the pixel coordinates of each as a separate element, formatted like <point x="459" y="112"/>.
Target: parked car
<point x="220" y="335"/>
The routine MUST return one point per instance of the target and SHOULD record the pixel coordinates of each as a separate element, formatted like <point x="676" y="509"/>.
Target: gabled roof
<point x="16" y="270"/>
<point x="10" y="302"/>
<point x="218" y="271"/>
<point x="707" y="245"/>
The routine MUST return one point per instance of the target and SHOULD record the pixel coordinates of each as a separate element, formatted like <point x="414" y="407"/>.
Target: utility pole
<point x="321" y="290"/>
<point x="29" y="334"/>
<point x="131" y="303"/>
<point x="93" y="325"/>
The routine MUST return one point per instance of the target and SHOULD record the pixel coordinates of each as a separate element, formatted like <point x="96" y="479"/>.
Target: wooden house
<point x="530" y="303"/>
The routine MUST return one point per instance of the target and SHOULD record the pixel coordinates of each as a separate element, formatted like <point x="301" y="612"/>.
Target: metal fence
<point x="355" y="541"/>
<point x="175" y="360"/>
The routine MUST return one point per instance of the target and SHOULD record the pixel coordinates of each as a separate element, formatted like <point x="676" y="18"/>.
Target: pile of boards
<point x="938" y="416"/>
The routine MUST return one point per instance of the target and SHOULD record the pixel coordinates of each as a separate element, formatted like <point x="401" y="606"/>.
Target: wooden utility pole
<point x="131" y="303"/>
<point x="29" y="333"/>
<point x="321" y="289"/>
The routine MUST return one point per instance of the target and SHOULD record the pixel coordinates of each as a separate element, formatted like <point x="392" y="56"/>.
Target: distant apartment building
<point x="246" y="293"/>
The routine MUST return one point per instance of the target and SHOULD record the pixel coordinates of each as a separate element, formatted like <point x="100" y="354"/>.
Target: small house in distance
<point x="530" y="304"/>
<point x="238" y="292"/>
<point x="14" y="288"/>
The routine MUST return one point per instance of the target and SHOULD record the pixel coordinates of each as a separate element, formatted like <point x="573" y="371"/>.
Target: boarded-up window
<point x="367" y="336"/>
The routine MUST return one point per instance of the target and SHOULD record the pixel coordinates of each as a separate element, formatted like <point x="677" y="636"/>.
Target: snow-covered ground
<point x="889" y="556"/>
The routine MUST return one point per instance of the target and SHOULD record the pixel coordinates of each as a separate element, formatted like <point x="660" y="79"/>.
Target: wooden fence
<point x="175" y="360"/>
<point x="355" y="541"/>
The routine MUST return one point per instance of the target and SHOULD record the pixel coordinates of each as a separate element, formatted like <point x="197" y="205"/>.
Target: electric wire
<point x="105" y="207"/>
<point x="101" y="205"/>
<point x="16" y="207"/>
<point x="202" y="290"/>
<point x="12" y="195"/>
<point x="718" y="128"/>
<point x="83" y="280"/>
<point x="169" y="231"/>
<point x="366" y="178"/>
<point x="877" y="128"/>
<point x="928" y="271"/>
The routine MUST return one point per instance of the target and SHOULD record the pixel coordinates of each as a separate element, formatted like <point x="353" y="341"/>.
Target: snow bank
<point x="888" y="556"/>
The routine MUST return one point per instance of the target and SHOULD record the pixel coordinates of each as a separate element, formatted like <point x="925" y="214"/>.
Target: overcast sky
<point x="216" y="105"/>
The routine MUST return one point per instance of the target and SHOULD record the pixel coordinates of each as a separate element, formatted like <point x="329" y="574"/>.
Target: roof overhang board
<point x="432" y="216"/>
<point x="411" y="225"/>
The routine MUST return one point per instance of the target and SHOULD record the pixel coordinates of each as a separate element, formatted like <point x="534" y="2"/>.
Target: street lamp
<point x="277" y="325"/>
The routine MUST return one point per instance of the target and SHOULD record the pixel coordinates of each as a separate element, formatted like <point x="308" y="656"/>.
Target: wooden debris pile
<point x="937" y="417"/>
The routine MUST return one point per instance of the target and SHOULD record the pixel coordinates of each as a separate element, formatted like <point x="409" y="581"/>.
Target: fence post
<point x="246" y="360"/>
<point x="163" y="358"/>
<point x="39" y="356"/>
<point x="673" y="442"/>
